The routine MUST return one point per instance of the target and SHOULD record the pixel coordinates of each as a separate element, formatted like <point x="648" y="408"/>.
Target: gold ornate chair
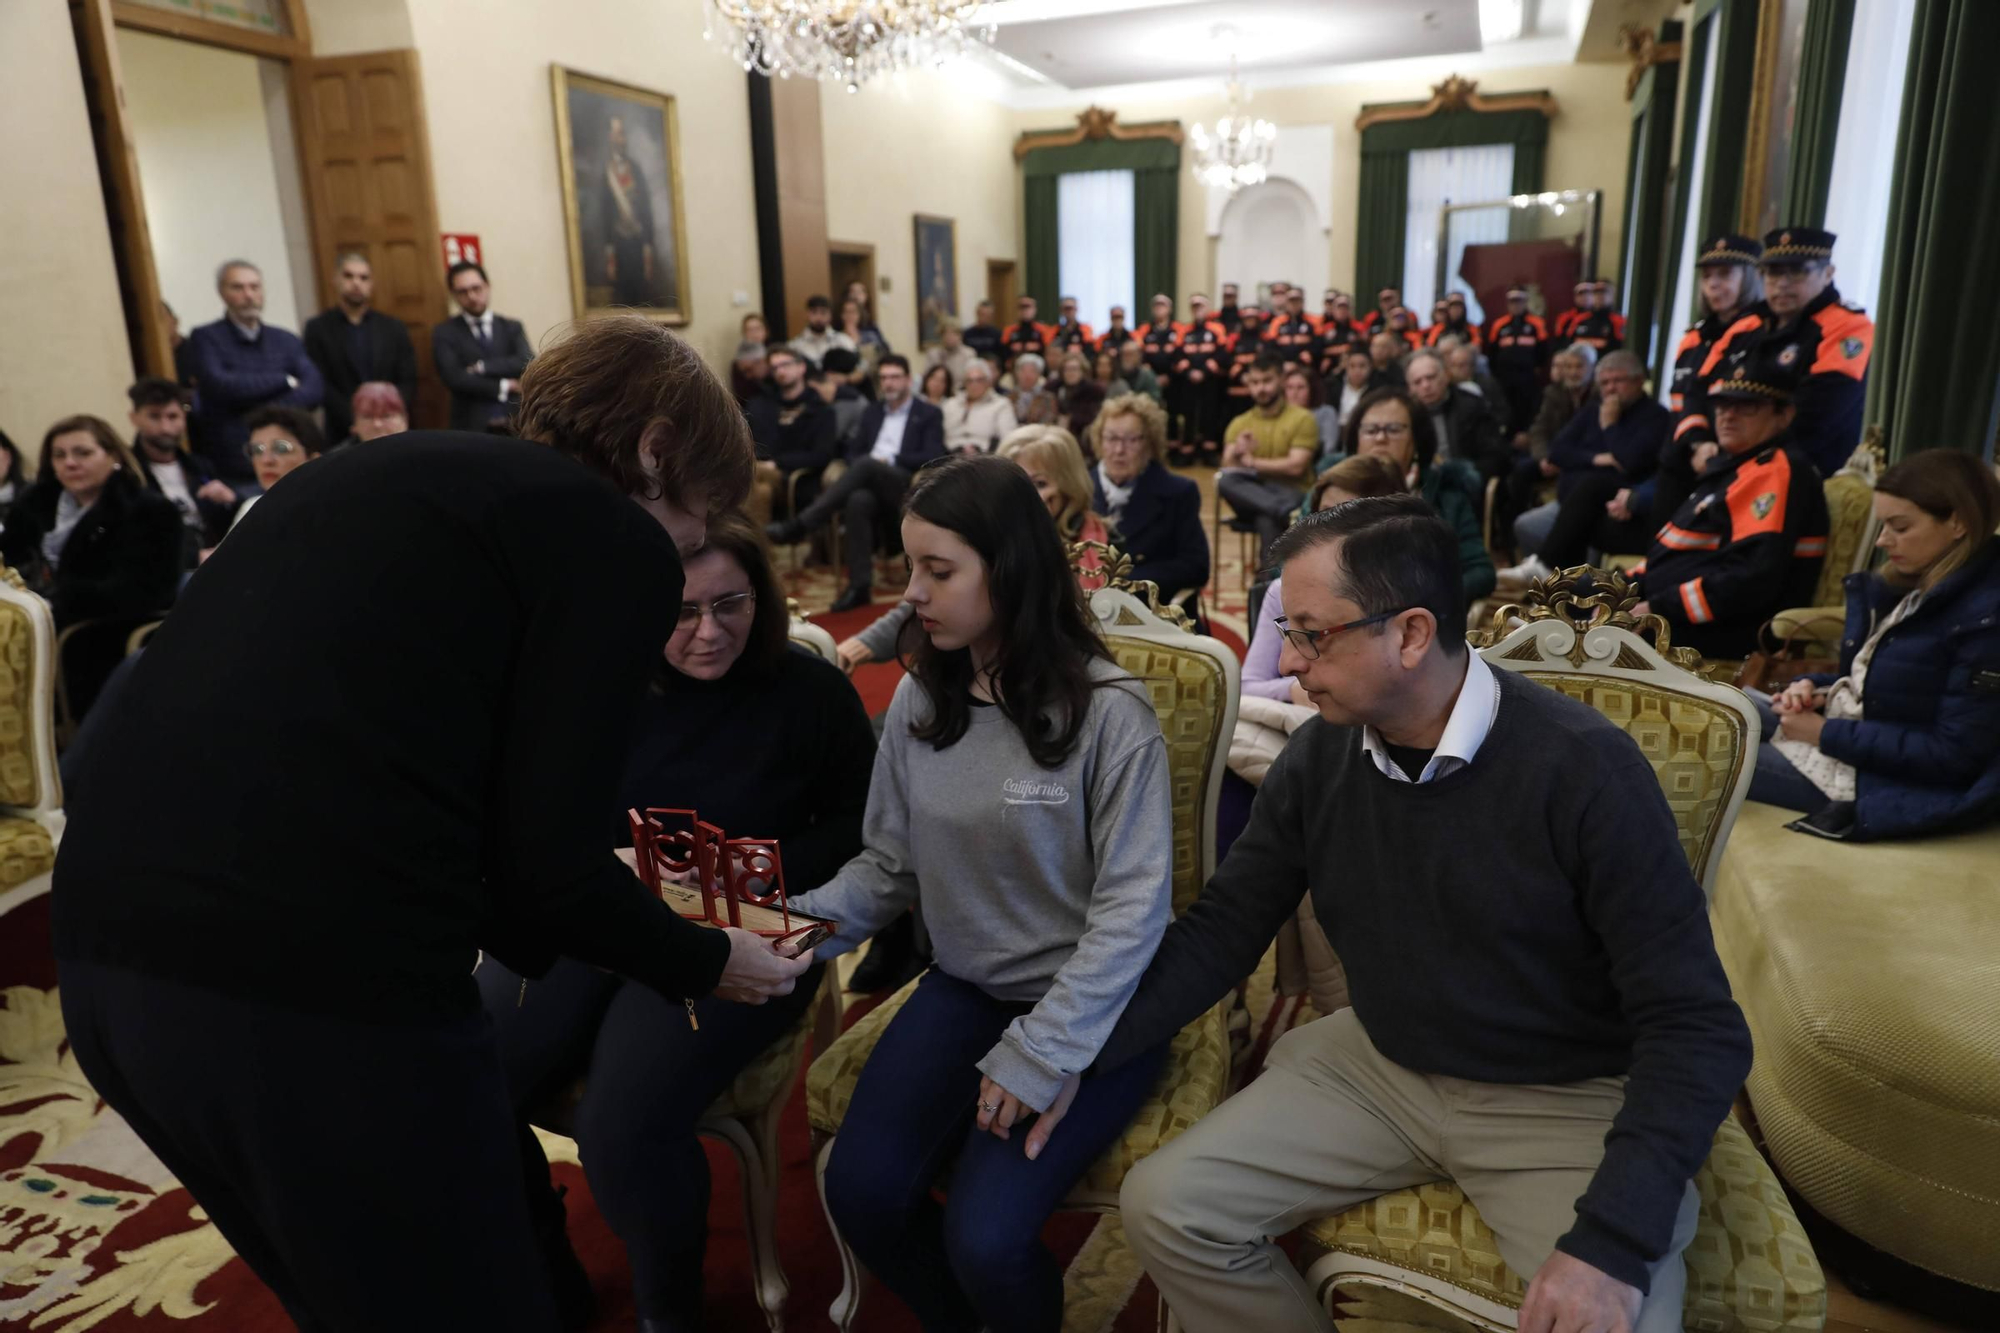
<point x="1423" y="1257"/>
<point x="1850" y="548"/>
<point x="1195" y="682"/>
<point x="31" y="814"/>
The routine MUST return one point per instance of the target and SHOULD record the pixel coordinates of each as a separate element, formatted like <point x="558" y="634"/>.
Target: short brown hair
<point x="1948" y="484"/>
<point x="1361" y="476"/>
<point x="1152" y="420"/>
<point x="617" y="388"/>
<point x="99" y="430"/>
<point x="734" y="535"/>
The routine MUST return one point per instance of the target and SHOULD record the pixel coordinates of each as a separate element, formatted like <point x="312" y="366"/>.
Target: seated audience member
<point x="1040" y="922"/>
<point x="1390" y="424"/>
<point x="185" y="480"/>
<point x="977" y="419"/>
<point x="353" y="344"/>
<point x="937" y="386"/>
<point x="282" y="440"/>
<point x="1033" y="404"/>
<point x="1748" y="541"/>
<point x="952" y="352"/>
<point x="984" y="336"/>
<point x="1054" y="461"/>
<point x="1304" y="391"/>
<point x="1137" y="375"/>
<point x="13" y="479"/>
<point x="1905" y="738"/>
<point x="1357" y="376"/>
<point x="792" y="428"/>
<point x="748" y="369"/>
<point x="869" y="345"/>
<point x="1460" y="422"/>
<point x="89" y="535"/>
<point x="801" y="753"/>
<point x="480" y="355"/>
<point x="1349" y="479"/>
<point x="378" y="413"/>
<point x="870" y="331"/>
<point x="1385" y="356"/>
<point x="1600" y="458"/>
<point x="1104" y="370"/>
<point x="240" y="364"/>
<point x="1267" y="455"/>
<point x="1461" y="363"/>
<point x="1568" y="392"/>
<point x="1078" y="396"/>
<point x="1154" y="516"/>
<point x="829" y="381"/>
<point x="820" y="337"/>
<point x="1569" y="1078"/>
<point x="896" y="436"/>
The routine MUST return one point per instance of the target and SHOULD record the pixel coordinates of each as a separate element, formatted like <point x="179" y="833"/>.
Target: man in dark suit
<point x="479" y="355"/>
<point x="898" y="434"/>
<point x="353" y="343"/>
<point x="1465" y="427"/>
<point x="1155" y="516"/>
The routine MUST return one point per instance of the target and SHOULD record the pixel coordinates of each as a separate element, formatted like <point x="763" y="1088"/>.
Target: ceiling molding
<point x="1096" y="123"/>
<point x="1457" y="94"/>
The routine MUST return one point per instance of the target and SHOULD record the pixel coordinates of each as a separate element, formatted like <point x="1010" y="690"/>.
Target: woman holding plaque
<point x="1021" y="795"/>
<point x="763" y="740"/>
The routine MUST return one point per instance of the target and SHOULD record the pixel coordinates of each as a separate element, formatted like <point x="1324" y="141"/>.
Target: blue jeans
<point x="976" y="1259"/>
<point x="1776" y="781"/>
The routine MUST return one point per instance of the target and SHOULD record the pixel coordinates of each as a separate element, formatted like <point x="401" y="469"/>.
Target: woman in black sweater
<point x="763" y="740"/>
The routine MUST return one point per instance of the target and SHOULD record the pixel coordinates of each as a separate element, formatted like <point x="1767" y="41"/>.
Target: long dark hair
<point x="1047" y="642"/>
<point x="1423" y="435"/>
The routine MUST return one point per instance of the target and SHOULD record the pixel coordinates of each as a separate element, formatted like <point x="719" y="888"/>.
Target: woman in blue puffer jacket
<point x="1905" y="739"/>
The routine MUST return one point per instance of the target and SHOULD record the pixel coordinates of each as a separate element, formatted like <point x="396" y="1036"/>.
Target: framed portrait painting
<point x="619" y="149"/>
<point x="937" y="275"/>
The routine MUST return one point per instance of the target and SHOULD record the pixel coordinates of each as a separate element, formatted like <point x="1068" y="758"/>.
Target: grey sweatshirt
<point x="1043" y="886"/>
<point x="882" y="632"/>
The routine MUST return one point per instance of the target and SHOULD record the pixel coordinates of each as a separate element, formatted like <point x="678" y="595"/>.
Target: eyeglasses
<point x="1384" y="430"/>
<point x="1122" y="440"/>
<point x="1307" y="641"/>
<point x="282" y="448"/>
<point x="733" y="609"/>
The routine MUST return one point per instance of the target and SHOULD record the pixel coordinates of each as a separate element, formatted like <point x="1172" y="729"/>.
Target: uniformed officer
<point x="1386" y="300"/>
<point x="1454" y="323"/>
<point x="1607" y="301"/>
<point x="1826" y="340"/>
<point x="1436" y="326"/>
<point x="1403" y="324"/>
<point x="1595" y="324"/>
<point x="1582" y="300"/>
<point x="1517" y="347"/>
<point x="1070" y="332"/>
<point x="1230" y="316"/>
<point x="1337" y="333"/>
<point x="1199" y="360"/>
<point x="1731" y="290"/>
<point x="1291" y="336"/>
<point x="1117" y="335"/>
<point x="1025" y="335"/>
<point x="1161" y="341"/>
<point x="1749" y="540"/>
<point x="1250" y="342"/>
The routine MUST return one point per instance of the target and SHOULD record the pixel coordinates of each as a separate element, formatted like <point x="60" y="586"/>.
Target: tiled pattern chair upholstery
<point x="1750" y="1268"/>
<point x="31" y="817"/>
<point x="1194" y="683"/>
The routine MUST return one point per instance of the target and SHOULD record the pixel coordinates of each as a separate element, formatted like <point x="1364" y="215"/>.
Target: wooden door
<point x="1000" y="289"/>
<point x="365" y="156"/>
<point x="851" y="261"/>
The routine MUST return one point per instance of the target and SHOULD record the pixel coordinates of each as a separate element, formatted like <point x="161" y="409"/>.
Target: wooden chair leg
<point x="754" y="1142"/>
<point x="847" y="1305"/>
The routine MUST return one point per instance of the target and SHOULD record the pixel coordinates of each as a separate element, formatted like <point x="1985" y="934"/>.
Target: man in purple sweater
<point x="240" y="364"/>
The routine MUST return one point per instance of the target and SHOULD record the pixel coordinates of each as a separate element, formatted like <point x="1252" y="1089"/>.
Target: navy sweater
<point x="1557" y="935"/>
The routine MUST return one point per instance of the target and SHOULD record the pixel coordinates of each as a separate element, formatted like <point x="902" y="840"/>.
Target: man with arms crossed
<point x="1539" y="1014"/>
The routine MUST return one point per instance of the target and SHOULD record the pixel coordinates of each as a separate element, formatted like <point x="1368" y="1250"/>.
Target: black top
<point x="382" y="730"/>
<point x="784" y="753"/>
<point x="1557" y="935"/>
<point x="122" y="559"/>
<point x="351" y="354"/>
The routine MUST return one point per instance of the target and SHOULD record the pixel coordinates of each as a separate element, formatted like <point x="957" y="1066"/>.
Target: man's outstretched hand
<point x="1568" y="1295"/>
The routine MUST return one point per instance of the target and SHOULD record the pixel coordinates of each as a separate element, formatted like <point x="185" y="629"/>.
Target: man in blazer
<point x="353" y="343"/>
<point x="898" y="434"/>
<point x="1155" y="516"/>
<point x="479" y="355"/>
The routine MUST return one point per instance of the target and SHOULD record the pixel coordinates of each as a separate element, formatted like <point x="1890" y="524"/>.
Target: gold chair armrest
<point x="1810" y="624"/>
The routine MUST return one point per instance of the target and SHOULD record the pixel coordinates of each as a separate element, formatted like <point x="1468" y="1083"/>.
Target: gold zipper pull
<point x="523" y="997"/>
<point x="693" y="1022"/>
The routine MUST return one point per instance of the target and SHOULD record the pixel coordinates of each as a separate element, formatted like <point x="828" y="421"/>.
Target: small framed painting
<point x="937" y="275"/>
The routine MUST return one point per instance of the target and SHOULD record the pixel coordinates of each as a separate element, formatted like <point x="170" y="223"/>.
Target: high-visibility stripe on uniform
<point x="1690" y="422"/>
<point x="1680" y="539"/>
<point x="1846" y="340"/>
<point x="1810" y="548"/>
<point x="1695" y="602"/>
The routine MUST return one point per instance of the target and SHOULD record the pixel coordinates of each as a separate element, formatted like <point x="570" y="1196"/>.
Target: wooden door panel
<point x="366" y="160"/>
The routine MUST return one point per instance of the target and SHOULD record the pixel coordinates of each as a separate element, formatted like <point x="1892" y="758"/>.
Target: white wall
<point x="210" y="180"/>
<point x="63" y="347"/>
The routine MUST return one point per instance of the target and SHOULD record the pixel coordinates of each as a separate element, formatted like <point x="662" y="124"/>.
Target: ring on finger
<point x="989" y="1106"/>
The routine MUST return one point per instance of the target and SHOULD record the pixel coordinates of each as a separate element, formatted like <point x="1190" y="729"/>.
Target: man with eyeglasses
<point x="1550" y="1028"/>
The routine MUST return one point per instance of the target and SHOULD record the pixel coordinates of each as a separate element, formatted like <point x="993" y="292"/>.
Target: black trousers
<point x="867" y="495"/>
<point x="368" y="1173"/>
<point x="1200" y="408"/>
<point x="1581" y="523"/>
<point x="649" y="1076"/>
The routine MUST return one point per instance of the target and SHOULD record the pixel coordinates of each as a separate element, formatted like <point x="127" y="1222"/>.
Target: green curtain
<point x="1693" y="90"/>
<point x="1384" y="200"/>
<point x="1156" y="247"/>
<point x="1735" y="26"/>
<point x="1936" y="365"/>
<point x="1155" y="165"/>
<point x="1646" y="175"/>
<point x="1816" y="119"/>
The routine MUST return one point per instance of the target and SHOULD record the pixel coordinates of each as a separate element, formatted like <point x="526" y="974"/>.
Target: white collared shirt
<point x="1464" y="732"/>
<point x="481" y="326"/>
<point x="889" y="441"/>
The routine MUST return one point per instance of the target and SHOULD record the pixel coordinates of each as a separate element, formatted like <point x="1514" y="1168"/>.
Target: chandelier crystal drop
<point x="1237" y="152"/>
<point x="850" y="41"/>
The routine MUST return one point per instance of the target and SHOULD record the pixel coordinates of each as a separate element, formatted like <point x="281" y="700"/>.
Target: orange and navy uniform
<point x="1244" y="349"/>
<point x="1336" y="336"/>
<point x="1160" y="343"/>
<point x="1292" y="339"/>
<point x="1746" y="543"/>
<point x="1444" y="328"/>
<point x="1202" y="347"/>
<point x="1599" y="328"/>
<point x="1114" y="338"/>
<point x="1565" y="322"/>
<point x="1023" y="338"/>
<point x="1374" y="320"/>
<point x="1691" y="358"/>
<point x="1828" y="346"/>
<point x="1517" y="341"/>
<point x="1078" y="335"/>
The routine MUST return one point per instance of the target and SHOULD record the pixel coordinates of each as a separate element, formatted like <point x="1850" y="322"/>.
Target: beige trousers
<point x="1331" y="1123"/>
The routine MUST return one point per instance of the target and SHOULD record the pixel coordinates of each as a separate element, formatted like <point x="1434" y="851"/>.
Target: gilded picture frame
<point x="1774" y="96"/>
<point x="936" y="250"/>
<point x="619" y="156"/>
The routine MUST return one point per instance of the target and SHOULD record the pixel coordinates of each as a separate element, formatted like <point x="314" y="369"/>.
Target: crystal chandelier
<point x="848" y="40"/>
<point x="1238" y="151"/>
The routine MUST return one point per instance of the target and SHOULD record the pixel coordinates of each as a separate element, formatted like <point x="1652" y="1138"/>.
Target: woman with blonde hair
<point x="1154" y="515"/>
<point x="1905" y="737"/>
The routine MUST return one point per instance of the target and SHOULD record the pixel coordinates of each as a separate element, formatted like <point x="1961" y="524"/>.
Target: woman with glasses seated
<point x="282" y="440"/>
<point x="1387" y="424"/>
<point x="764" y="740"/>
